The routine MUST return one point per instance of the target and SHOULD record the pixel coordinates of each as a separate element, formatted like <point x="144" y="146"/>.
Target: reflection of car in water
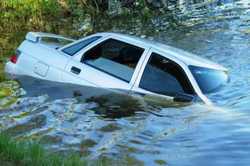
<point x="117" y="61"/>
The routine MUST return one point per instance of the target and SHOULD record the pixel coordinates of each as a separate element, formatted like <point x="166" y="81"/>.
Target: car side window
<point x="115" y="58"/>
<point x="73" y="49"/>
<point x="164" y="76"/>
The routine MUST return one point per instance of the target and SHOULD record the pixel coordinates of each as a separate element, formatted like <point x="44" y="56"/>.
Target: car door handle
<point x="75" y="70"/>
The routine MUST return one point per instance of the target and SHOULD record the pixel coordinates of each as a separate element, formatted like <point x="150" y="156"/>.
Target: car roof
<point x="185" y="57"/>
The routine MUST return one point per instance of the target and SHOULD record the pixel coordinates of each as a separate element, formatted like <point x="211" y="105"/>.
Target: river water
<point x="66" y="118"/>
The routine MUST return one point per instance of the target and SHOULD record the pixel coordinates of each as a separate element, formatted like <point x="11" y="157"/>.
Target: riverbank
<point x="2" y="77"/>
<point x="25" y="153"/>
<point x="22" y="153"/>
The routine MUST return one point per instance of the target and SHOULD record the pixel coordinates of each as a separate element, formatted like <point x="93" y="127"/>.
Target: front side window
<point x="165" y="77"/>
<point x="73" y="49"/>
<point x="209" y="80"/>
<point x="115" y="58"/>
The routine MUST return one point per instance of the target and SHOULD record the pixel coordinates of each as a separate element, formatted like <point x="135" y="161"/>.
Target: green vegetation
<point x="110" y="128"/>
<point x="28" y="153"/>
<point x="115" y="105"/>
<point x="75" y="18"/>
<point x="17" y="17"/>
<point x="9" y="93"/>
<point x="35" y="122"/>
<point x="160" y="162"/>
<point x="23" y="153"/>
<point x="2" y="77"/>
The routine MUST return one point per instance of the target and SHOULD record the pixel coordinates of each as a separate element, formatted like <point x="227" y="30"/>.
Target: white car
<point x="118" y="61"/>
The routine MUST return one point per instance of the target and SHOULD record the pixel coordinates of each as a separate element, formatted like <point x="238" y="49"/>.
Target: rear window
<point x="73" y="49"/>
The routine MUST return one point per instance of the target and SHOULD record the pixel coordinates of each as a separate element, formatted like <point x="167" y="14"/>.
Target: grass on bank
<point x="2" y="77"/>
<point x="23" y="153"/>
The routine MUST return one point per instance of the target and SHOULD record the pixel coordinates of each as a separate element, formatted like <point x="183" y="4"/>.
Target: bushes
<point x="17" y="17"/>
<point x="74" y="18"/>
<point x="27" y="14"/>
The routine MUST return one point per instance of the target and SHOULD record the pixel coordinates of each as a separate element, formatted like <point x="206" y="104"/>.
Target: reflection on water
<point x="97" y="122"/>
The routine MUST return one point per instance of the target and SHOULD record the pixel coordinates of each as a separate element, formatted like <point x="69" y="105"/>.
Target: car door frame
<point x="185" y="68"/>
<point x="78" y="56"/>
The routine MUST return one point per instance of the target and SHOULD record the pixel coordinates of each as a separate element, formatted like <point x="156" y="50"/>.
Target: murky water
<point x="98" y="122"/>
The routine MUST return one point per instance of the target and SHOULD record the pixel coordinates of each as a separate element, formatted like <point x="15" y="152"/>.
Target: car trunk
<point x="54" y="42"/>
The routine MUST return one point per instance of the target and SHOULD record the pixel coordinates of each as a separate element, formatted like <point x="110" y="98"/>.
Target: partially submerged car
<point x="118" y="61"/>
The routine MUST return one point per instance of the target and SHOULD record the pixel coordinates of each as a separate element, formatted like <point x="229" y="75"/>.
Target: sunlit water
<point x="66" y="118"/>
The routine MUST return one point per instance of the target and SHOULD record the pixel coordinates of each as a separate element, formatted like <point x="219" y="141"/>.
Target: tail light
<point x="14" y="57"/>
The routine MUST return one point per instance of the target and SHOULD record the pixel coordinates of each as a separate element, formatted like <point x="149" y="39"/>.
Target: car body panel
<point x="48" y="61"/>
<point x="36" y="58"/>
<point x="41" y="69"/>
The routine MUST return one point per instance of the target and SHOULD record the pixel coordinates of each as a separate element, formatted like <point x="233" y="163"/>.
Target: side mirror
<point x="181" y="97"/>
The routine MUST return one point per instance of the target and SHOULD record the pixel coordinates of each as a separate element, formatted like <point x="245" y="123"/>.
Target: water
<point x="115" y="124"/>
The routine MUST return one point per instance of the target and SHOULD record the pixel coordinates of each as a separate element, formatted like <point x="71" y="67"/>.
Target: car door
<point x="111" y="63"/>
<point x="162" y="76"/>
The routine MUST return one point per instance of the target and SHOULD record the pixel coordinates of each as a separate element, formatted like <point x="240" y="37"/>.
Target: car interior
<point x="115" y="58"/>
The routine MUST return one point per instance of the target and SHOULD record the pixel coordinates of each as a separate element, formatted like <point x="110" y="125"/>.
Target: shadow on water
<point x="65" y="117"/>
<point x="110" y="103"/>
<point x="56" y="90"/>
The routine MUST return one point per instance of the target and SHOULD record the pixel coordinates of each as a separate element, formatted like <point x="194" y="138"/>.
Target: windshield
<point x="209" y="80"/>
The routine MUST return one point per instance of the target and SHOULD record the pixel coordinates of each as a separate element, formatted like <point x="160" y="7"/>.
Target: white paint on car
<point x="51" y="62"/>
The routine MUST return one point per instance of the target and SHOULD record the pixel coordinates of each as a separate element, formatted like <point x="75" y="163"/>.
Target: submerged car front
<point x="209" y="80"/>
